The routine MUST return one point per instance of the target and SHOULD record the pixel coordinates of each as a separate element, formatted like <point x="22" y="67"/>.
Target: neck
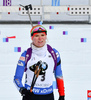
<point x="39" y="51"/>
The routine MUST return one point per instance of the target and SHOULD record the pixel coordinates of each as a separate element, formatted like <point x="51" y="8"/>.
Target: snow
<point x="75" y="57"/>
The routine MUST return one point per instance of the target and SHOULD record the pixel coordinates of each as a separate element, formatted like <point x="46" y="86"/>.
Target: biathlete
<point x="39" y="62"/>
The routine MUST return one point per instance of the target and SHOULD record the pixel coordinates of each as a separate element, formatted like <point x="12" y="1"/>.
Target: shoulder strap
<point x="28" y="56"/>
<point x="51" y="51"/>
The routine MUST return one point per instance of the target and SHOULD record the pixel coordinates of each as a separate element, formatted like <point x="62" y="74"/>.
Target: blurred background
<point x="68" y="23"/>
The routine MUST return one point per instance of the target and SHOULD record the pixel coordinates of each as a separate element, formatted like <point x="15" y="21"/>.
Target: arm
<point x="58" y="75"/>
<point x="20" y="71"/>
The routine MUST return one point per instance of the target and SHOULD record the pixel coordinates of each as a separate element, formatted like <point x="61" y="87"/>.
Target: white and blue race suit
<point x="44" y="83"/>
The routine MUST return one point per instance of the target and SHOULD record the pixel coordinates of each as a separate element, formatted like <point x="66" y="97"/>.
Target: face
<point x="39" y="40"/>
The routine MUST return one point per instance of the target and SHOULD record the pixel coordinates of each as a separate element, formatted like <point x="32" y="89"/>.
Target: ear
<point x="31" y="38"/>
<point x="46" y="37"/>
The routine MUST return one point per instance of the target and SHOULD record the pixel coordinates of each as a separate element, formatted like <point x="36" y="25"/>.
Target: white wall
<point x="54" y="16"/>
<point x="48" y="2"/>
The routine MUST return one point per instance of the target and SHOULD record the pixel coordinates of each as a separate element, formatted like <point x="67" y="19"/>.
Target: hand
<point x="61" y="98"/>
<point x="25" y="92"/>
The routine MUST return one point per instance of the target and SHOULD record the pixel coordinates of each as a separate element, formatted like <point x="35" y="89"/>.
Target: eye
<point x="36" y="35"/>
<point x="42" y="34"/>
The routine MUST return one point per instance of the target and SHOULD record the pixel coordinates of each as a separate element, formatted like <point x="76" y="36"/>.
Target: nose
<point x="40" y="37"/>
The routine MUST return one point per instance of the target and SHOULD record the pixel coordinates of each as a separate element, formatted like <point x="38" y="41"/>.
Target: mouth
<point x="40" y="41"/>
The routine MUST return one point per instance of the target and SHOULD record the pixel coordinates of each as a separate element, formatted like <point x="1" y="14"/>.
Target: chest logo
<point x="44" y="67"/>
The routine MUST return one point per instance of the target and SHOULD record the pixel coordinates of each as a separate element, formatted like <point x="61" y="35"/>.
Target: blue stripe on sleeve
<point x="58" y="71"/>
<point x="20" y="71"/>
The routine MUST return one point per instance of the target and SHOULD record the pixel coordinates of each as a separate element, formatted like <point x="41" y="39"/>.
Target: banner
<point x="6" y="2"/>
